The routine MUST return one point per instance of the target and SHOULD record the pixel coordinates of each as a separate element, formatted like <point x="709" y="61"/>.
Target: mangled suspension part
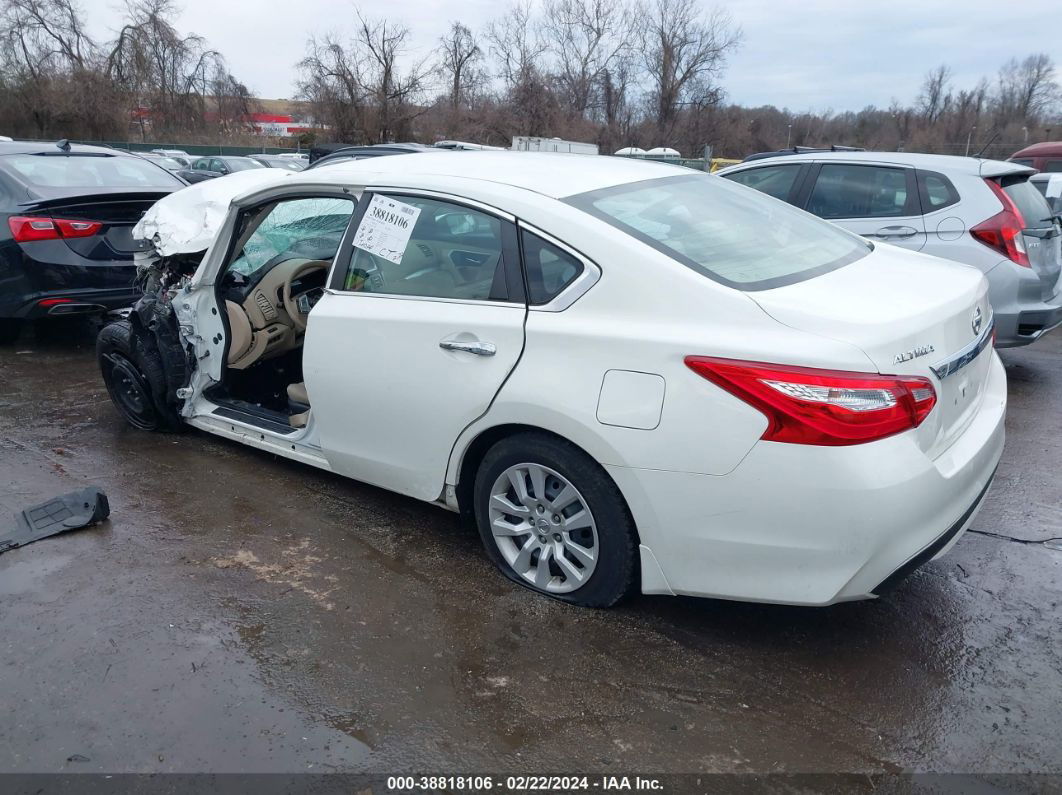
<point x="156" y="329"/>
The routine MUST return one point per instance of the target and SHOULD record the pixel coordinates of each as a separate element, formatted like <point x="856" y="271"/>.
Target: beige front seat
<point x="240" y="334"/>
<point x="297" y="394"/>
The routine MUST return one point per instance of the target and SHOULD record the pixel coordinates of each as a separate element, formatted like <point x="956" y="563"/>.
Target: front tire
<point x="134" y="378"/>
<point x="553" y="521"/>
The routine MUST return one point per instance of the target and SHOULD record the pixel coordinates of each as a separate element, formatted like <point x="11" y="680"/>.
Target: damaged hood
<point x="188" y="220"/>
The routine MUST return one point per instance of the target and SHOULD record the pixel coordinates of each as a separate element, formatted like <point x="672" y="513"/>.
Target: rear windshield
<point x="90" y="171"/>
<point x="727" y="232"/>
<point x="1030" y="202"/>
<point x="243" y="164"/>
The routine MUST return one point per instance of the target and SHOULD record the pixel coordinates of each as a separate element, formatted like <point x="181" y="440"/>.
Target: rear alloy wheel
<point x="552" y="520"/>
<point x="543" y="528"/>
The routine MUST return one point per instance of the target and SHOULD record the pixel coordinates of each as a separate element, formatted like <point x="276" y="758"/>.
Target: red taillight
<point x="27" y="229"/>
<point x="804" y="405"/>
<point x="1003" y="231"/>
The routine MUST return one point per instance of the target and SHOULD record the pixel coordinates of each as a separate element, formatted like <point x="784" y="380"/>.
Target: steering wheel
<point x="298" y="318"/>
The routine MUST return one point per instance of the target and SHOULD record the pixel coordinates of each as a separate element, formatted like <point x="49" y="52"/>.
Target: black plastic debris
<point x="59" y="514"/>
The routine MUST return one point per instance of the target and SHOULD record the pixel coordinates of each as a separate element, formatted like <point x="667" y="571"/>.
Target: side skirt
<point x="263" y="440"/>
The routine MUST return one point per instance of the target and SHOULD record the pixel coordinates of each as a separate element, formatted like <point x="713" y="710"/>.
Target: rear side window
<point x="936" y="191"/>
<point x="1030" y="202"/>
<point x="1023" y="161"/>
<point x="1052" y="166"/>
<point x="775" y="181"/>
<point x="90" y="171"/>
<point x="549" y="269"/>
<point x="731" y="235"/>
<point x="848" y="191"/>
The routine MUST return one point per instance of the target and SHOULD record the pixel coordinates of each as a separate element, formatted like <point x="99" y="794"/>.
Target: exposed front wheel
<point x="133" y="375"/>
<point x="552" y="520"/>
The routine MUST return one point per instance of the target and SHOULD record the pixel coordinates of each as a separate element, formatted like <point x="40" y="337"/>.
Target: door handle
<point x="477" y="348"/>
<point x="899" y="232"/>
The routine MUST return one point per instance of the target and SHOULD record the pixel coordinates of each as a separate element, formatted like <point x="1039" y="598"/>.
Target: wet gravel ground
<point x="241" y="612"/>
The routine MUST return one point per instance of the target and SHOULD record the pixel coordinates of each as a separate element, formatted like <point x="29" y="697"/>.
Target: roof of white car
<point x="966" y="165"/>
<point x="554" y="175"/>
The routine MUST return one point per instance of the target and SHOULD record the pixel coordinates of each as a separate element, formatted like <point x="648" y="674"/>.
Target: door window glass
<point x="305" y="228"/>
<point x="549" y="269"/>
<point x="453" y="252"/>
<point x="775" y="181"/>
<point x="1052" y="166"/>
<point x="202" y="164"/>
<point x="844" y="191"/>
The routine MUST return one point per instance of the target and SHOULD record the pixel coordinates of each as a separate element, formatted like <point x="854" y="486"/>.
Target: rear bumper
<point x="1022" y="316"/>
<point x="28" y="307"/>
<point x="809" y="525"/>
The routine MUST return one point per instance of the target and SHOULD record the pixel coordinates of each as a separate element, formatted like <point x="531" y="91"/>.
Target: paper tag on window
<point x="385" y="228"/>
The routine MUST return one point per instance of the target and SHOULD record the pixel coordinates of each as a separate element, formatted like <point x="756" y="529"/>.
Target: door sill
<point x="259" y="417"/>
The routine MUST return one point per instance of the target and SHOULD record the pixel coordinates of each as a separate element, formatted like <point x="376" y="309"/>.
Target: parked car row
<point x="982" y="213"/>
<point x="630" y="376"/>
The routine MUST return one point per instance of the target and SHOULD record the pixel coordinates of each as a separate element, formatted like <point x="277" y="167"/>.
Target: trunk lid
<point x="118" y="214"/>
<point x="908" y="313"/>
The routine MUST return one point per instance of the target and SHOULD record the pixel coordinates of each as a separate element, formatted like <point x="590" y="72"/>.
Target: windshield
<point x="90" y="171"/>
<point x="729" y="233"/>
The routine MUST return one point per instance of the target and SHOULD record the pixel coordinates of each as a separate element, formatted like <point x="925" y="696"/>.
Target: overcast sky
<point x="807" y="55"/>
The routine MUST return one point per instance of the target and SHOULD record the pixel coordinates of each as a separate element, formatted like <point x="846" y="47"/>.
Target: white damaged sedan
<point x="630" y="376"/>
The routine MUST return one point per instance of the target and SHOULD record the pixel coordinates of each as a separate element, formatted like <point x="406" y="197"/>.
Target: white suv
<point x="983" y="213"/>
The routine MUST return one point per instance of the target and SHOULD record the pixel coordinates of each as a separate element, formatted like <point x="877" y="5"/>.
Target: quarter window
<point x="936" y="191"/>
<point x="549" y="269"/>
<point x="453" y="252"/>
<point x="849" y="191"/>
<point x="775" y="181"/>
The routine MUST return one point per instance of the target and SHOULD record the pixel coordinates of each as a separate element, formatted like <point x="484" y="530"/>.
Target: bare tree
<point x="49" y="66"/>
<point x="395" y="92"/>
<point x="169" y="74"/>
<point x="517" y="46"/>
<point x="588" y="38"/>
<point x="1027" y="89"/>
<point x="936" y="95"/>
<point x="458" y="64"/>
<point x="684" y="56"/>
<point x="331" y="83"/>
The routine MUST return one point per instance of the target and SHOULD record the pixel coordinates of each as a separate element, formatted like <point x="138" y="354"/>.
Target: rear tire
<point x="574" y="541"/>
<point x="134" y="378"/>
<point x="10" y="328"/>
